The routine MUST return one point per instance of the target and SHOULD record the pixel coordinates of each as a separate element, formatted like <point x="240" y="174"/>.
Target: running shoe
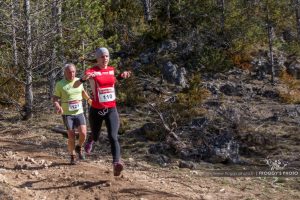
<point x="73" y="160"/>
<point x="78" y="150"/>
<point x="118" y="168"/>
<point x="88" y="146"/>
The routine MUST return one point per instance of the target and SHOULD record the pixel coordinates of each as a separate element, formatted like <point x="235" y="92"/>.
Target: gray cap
<point x="100" y="51"/>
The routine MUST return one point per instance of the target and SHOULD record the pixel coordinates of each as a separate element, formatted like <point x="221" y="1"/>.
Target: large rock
<point x="172" y="73"/>
<point x="228" y="152"/>
<point x="168" y="45"/>
<point x="145" y="58"/>
<point x="294" y="69"/>
<point x="233" y="89"/>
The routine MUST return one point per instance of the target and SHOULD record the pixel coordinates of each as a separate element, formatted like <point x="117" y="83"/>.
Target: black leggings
<point x="112" y="122"/>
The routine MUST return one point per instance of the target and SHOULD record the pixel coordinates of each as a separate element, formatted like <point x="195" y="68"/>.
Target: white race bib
<point x="106" y="94"/>
<point x="74" y="105"/>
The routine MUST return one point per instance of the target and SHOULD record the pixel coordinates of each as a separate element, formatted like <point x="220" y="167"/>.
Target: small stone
<point x="2" y="179"/>
<point x="107" y="184"/>
<point x="30" y="176"/>
<point x="207" y="197"/>
<point x="175" y="167"/>
<point x="41" y="162"/>
<point x="194" y="172"/>
<point x="9" y="153"/>
<point x="222" y="190"/>
<point x="186" y="164"/>
<point x="35" y="173"/>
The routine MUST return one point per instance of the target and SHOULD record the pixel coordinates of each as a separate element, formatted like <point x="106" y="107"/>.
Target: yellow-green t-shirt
<point x="68" y="94"/>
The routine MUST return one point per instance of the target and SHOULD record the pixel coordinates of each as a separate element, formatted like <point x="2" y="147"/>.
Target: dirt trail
<point x="34" y="165"/>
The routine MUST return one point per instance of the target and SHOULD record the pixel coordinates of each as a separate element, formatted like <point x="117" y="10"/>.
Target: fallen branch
<point x="171" y="138"/>
<point x="62" y="130"/>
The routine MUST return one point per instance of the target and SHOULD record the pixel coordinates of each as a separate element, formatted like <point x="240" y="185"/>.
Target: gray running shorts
<point x="73" y="121"/>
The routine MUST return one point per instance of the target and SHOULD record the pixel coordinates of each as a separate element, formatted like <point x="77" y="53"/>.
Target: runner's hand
<point x="126" y="74"/>
<point x="59" y="110"/>
<point x="88" y="76"/>
<point x="90" y="101"/>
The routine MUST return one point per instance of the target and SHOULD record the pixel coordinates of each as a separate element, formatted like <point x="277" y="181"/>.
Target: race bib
<point x="74" y="105"/>
<point x="106" y="94"/>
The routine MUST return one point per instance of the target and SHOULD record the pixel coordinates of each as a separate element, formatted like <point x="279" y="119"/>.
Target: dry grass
<point x="292" y="94"/>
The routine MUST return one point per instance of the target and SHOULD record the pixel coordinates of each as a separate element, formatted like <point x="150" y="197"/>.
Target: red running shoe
<point x="88" y="146"/>
<point x="118" y="168"/>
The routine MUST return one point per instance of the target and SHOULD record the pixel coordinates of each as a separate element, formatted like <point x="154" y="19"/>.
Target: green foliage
<point x="158" y="31"/>
<point x="120" y="26"/>
<point x="129" y="93"/>
<point x="187" y="104"/>
<point x="83" y="28"/>
<point x="214" y="60"/>
<point x="187" y="15"/>
<point x="292" y="48"/>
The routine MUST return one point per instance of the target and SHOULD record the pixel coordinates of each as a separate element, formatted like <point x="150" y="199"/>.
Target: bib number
<point x="106" y="94"/>
<point x="74" y="105"/>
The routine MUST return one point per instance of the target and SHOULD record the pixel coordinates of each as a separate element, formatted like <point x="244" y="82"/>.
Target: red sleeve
<point x="90" y="70"/>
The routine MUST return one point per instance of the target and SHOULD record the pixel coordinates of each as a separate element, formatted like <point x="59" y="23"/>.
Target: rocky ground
<point x="34" y="162"/>
<point x="34" y="165"/>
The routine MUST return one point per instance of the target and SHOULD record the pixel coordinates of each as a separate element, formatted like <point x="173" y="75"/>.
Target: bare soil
<point x="34" y="164"/>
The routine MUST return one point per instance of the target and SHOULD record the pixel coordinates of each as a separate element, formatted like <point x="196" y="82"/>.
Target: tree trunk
<point x="85" y="105"/>
<point x="270" y="39"/>
<point x="57" y="36"/>
<point x="168" y="10"/>
<point x="59" y="30"/>
<point x="297" y="11"/>
<point x="14" y="40"/>
<point x="221" y="4"/>
<point x="28" y="66"/>
<point x="147" y="10"/>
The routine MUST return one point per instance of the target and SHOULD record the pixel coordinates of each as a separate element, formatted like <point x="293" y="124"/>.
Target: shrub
<point x="130" y="93"/>
<point x="214" y="60"/>
<point x="187" y="104"/>
<point x="11" y="91"/>
<point x="124" y="125"/>
<point x="242" y="61"/>
<point x="292" y="94"/>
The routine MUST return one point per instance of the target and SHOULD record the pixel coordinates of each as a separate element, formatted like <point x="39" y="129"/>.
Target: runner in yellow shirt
<point x="68" y="102"/>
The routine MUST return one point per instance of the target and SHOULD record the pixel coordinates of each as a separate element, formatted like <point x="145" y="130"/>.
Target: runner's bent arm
<point x="83" y="79"/>
<point x="86" y="97"/>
